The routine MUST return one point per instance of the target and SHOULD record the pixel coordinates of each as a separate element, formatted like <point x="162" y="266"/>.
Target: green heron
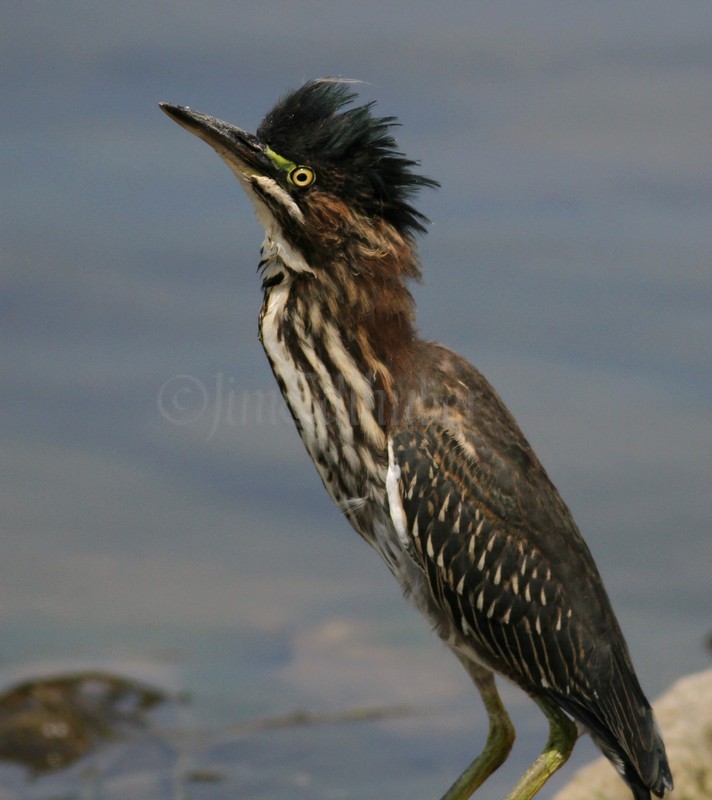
<point x="413" y="444"/>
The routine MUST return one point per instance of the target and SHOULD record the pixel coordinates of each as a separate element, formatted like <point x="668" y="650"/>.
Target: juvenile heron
<point x="414" y="445"/>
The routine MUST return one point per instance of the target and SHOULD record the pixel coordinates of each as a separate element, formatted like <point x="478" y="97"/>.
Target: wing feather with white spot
<point x="481" y="569"/>
<point x="508" y="597"/>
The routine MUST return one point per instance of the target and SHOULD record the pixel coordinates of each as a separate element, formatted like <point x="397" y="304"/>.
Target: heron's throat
<point x="334" y="333"/>
<point x="353" y="295"/>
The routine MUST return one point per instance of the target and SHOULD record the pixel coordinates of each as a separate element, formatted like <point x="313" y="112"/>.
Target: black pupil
<point x="302" y="176"/>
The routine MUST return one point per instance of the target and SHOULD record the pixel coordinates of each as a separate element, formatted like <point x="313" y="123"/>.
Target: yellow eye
<point x="302" y="177"/>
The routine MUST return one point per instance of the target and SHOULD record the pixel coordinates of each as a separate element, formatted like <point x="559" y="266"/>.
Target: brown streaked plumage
<point x="414" y="445"/>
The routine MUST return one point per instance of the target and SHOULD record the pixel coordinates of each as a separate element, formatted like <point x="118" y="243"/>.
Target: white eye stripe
<point x="273" y="189"/>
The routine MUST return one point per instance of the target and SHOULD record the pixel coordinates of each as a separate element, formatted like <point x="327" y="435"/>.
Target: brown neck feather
<point x="360" y="283"/>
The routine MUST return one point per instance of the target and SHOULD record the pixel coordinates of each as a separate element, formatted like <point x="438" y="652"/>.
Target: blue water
<point x="159" y="516"/>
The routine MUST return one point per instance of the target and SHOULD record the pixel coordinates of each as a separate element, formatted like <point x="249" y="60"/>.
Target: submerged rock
<point x="49" y="723"/>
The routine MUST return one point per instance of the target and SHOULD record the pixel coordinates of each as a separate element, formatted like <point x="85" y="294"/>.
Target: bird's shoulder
<point x="501" y="552"/>
<point x="470" y="479"/>
<point x="457" y="415"/>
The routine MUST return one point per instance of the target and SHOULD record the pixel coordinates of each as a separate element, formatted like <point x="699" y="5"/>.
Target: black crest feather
<point x="354" y="152"/>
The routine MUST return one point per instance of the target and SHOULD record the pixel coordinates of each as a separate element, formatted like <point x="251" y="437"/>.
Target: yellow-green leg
<point x="499" y="739"/>
<point x="562" y="738"/>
